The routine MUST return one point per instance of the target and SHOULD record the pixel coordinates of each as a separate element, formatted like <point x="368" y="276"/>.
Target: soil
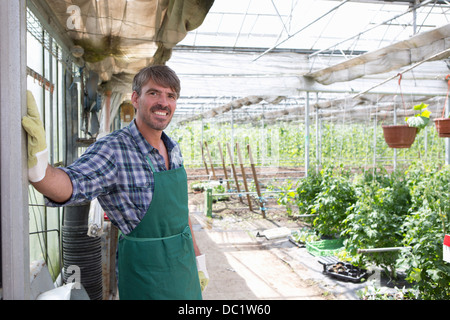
<point x="236" y="206"/>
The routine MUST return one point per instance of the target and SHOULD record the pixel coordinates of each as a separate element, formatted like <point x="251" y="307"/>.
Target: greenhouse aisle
<point x="243" y="266"/>
<point x="240" y="268"/>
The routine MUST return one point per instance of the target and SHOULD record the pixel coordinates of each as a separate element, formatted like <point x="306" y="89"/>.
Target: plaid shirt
<point x="114" y="169"/>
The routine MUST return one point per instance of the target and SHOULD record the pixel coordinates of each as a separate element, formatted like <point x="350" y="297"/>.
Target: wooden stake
<point x="210" y="161"/>
<point x="224" y="167"/>
<point x="255" y="178"/>
<point x="203" y="158"/>
<point x="243" y="176"/>
<point x="234" y="171"/>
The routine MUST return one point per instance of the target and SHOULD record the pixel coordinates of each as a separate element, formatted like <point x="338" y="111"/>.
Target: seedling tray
<point x="325" y="247"/>
<point x="343" y="271"/>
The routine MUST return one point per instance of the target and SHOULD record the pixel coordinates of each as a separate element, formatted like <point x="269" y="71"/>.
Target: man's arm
<point x="56" y="185"/>
<point x="53" y="183"/>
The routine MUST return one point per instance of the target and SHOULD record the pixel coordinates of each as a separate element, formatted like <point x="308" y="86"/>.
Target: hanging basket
<point x="399" y="136"/>
<point x="442" y="123"/>
<point x="443" y="127"/>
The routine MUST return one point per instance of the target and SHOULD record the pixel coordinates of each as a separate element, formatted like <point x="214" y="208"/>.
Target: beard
<point x="154" y="121"/>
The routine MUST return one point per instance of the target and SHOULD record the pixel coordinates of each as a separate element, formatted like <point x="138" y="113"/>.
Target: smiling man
<point x="137" y="175"/>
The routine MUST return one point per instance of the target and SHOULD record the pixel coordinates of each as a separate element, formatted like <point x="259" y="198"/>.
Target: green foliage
<point x="421" y="119"/>
<point x="380" y="209"/>
<point x="373" y="220"/>
<point x="425" y="228"/>
<point x="304" y="235"/>
<point x="331" y="203"/>
<point x="373" y="209"/>
<point x="287" y="197"/>
<point x="284" y="143"/>
<point x="307" y="190"/>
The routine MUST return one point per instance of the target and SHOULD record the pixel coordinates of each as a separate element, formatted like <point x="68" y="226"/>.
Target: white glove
<point x="202" y="272"/>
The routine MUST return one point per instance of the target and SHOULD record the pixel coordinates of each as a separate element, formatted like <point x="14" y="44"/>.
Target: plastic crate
<point x="325" y="247"/>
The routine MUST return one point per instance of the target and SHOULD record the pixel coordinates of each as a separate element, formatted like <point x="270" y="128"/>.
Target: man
<point x="138" y="177"/>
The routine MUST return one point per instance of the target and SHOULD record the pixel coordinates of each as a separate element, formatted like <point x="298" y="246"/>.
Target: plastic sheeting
<point x="236" y="104"/>
<point x="120" y="37"/>
<point x="392" y="57"/>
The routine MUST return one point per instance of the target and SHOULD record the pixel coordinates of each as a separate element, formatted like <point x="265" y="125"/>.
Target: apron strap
<point x="151" y="164"/>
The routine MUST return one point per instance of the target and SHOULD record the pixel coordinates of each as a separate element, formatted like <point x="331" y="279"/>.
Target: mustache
<point x="159" y="107"/>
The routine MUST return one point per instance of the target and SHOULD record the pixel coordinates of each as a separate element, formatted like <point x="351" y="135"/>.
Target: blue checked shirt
<point x="115" y="171"/>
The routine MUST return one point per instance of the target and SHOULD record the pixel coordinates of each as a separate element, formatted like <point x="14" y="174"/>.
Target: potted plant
<point x="403" y="136"/>
<point x="442" y="123"/>
<point x="443" y="127"/>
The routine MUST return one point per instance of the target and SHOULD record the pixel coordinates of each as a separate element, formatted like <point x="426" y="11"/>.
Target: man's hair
<point x="159" y="74"/>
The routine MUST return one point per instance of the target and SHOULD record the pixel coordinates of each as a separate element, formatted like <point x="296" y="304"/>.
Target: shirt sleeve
<point x="92" y="175"/>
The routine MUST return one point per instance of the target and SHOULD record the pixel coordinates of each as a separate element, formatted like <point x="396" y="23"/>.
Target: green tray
<point x="325" y="247"/>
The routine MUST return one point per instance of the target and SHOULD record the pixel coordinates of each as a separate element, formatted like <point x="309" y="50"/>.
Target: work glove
<point x="37" y="146"/>
<point x="202" y="272"/>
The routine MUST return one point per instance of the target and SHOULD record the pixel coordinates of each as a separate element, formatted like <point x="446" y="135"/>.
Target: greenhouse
<point x="312" y="133"/>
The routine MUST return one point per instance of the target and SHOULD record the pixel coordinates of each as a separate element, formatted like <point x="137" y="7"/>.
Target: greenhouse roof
<point x="346" y="54"/>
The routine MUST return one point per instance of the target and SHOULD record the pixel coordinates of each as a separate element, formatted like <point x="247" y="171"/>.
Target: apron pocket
<point x="162" y="268"/>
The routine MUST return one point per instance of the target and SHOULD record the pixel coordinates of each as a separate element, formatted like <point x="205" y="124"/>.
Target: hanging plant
<point x="399" y="136"/>
<point x="421" y="119"/>
<point x="443" y="124"/>
<point x="403" y="136"/>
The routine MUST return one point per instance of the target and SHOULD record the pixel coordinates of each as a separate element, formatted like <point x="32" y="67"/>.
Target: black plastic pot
<point x="81" y="250"/>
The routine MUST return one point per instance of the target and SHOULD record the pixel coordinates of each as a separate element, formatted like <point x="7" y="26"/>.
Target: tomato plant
<point x="331" y="202"/>
<point x="307" y="190"/>
<point x="375" y="218"/>
<point x="425" y="228"/>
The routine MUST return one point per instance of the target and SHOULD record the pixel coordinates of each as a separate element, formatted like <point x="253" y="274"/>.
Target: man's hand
<point x="202" y="272"/>
<point x="37" y="146"/>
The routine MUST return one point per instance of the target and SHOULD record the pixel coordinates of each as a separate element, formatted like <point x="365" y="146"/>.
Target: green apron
<point x="156" y="259"/>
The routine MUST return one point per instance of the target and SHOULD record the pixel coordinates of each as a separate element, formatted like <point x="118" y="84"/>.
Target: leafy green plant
<point x="304" y="235"/>
<point x="220" y="188"/>
<point x="307" y="190"/>
<point x="331" y="202"/>
<point x="373" y="221"/>
<point x="372" y="292"/>
<point x="287" y="197"/>
<point x="198" y="186"/>
<point x="424" y="229"/>
<point x="420" y="120"/>
<point x="304" y="195"/>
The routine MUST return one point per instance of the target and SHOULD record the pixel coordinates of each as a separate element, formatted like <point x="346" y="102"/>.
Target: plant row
<point x="378" y="209"/>
<point x="283" y="144"/>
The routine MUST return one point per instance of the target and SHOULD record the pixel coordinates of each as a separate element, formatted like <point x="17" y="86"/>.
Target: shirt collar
<point x="143" y="144"/>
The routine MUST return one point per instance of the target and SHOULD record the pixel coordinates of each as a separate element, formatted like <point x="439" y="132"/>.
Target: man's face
<point x="155" y="106"/>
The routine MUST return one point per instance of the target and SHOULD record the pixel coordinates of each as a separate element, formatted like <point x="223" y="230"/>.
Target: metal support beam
<point x="15" y="265"/>
<point x="318" y="138"/>
<point x="308" y="25"/>
<point x="307" y="134"/>
<point x="447" y="140"/>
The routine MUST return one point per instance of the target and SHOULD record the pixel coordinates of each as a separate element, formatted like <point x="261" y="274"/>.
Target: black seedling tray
<point x="342" y="270"/>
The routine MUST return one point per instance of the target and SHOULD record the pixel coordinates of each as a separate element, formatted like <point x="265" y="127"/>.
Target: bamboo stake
<point x="255" y="179"/>
<point x="234" y="170"/>
<point x="223" y="165"/>
<point x="203" y="158"/>
<point x="210" y="161"/>
<point x="243" y="176"/>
